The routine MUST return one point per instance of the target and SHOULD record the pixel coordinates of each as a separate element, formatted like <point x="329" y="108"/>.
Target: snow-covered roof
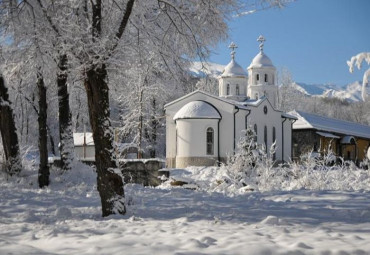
<point x="328" y="135"/>
<point x="261" y="60"/>
<point x="233" y="69"/>
<point x="197" y="110"/>
<point x="313" y="121"/>
<point x="228" y="101"/>
<point x="78" y="139"/>
<point x="244" y="105"/>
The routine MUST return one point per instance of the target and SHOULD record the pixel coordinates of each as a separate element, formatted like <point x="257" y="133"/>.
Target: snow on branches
<point x="357" y="61"/>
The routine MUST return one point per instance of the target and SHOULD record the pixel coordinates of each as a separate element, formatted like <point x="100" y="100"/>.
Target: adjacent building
<point x="316" y="133"/>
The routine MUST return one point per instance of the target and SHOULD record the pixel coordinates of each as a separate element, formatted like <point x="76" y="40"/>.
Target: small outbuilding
<point x="346" y="139"/>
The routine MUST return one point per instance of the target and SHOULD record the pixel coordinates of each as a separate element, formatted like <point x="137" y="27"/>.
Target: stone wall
<point x="141" y="171"/>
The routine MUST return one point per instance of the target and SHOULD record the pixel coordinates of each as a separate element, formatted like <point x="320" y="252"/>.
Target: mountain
<point x="350" y="92"/>
<point x="199" y="69"/>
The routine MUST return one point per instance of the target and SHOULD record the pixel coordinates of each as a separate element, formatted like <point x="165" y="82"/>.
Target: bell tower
<point x="262" y="76"/>
<point x="234" y="80"/>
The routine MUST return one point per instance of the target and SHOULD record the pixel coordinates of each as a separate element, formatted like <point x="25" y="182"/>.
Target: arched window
<point x="265" y="77"/>
<point x="237" y="90"/>
<point x="255" y="132"/>
<point x="210" y="141"/>
<point x="257" y="77"/>
<point x="274" y="141"/>
<point x="265" y="138"/>
<point x="228" y="89"/>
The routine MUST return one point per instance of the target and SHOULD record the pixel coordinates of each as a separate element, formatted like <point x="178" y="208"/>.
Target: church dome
<point x="233" y="69"/>
<point x="197" y="110"/>
<point x="261" y="60"/>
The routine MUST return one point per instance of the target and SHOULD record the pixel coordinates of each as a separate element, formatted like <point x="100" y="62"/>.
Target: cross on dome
<point x="233" y="46"/>
<point x="261" y="39"/>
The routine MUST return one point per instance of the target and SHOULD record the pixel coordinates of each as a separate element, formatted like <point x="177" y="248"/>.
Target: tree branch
<point x="123" y="23"/>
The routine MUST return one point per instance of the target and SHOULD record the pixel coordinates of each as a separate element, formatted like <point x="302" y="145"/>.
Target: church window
<point x="265" y="138"/>
<point x="246" y="121"/>
<point x="210" y="141"/>
<point x="274" y="141"/>
<point x="265" y="77"/>
<point x="237" y="90"/>
<point x="228" y="89"/>
<point x="255" y="132"/>
<point x="257" y="77"/>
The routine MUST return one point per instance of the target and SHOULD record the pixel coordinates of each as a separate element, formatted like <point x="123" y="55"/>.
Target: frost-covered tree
<point x="105" y="38"/>
<point x="357" y="61"/>
<point x="208" y="84"/>
<point x="28" y="22"/>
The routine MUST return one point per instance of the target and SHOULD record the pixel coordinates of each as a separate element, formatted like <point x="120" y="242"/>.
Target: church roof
<point x="197" y="110"/>
<point x="233" y="69"/>
<point x="313" y="121"/>
<point x="261" y="60"/>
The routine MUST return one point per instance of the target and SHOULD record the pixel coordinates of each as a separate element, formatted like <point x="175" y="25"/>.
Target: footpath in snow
<point x="65" y="219"/>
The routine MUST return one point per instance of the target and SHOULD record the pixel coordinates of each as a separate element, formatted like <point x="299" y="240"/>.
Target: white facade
<point x="203" y="129"/>
<point x="262" y="77"/>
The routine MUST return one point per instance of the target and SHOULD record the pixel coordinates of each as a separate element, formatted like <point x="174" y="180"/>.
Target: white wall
<point x="226" y="111"/>
<point x="233" y="81"/>
<point x="191" y="137"/>
<point x="287" y="140"/>
<point x="90" y="151"/>
<point x="226" y="126"/>
<point x="270" y="120"/>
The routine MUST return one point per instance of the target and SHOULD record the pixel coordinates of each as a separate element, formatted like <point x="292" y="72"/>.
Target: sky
<point x="313" y="39"/>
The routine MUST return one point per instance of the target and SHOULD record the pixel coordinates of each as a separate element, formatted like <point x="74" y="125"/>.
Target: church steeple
<point x="233" y="80"/>
<point x="262" y="76"/>
<point x="233" y="46"/>
<point x="261" y="39"/>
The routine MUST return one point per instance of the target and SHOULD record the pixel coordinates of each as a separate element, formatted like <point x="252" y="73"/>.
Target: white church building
<point x="203" y="129"/>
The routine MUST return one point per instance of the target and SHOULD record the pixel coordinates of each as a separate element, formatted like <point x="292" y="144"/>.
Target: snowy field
<point x="65" y="219"/>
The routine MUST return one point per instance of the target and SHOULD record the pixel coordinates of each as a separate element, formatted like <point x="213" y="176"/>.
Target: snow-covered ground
<point x="65" y="219"/>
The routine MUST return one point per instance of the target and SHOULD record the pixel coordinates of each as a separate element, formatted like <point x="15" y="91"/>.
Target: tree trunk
<point x="9" y="132"/>
<point x="65" y="116"/>
<point x="109" y="180"/>
<point x="154" y="124"/>
<point x="52" y="143"/>
<point x="140" y="126"/>
<point x="43" y="134"/>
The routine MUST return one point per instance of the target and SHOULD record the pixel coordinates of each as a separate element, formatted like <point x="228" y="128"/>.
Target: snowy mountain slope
<point x="314" y="89"/>
<point x="200" y="69"/>
<point x="350" y="92"/>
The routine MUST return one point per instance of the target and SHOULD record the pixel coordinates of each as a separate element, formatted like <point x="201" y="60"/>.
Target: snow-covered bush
<point x="252" y="169"/>
<point x="251" y="166"/>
